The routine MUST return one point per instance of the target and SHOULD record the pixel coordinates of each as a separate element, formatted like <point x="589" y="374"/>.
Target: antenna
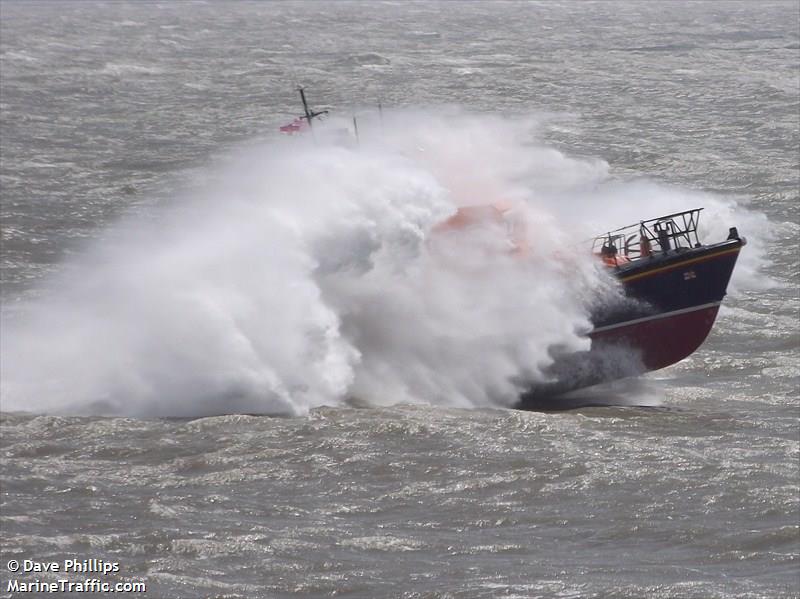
<point x="310" y="114"/>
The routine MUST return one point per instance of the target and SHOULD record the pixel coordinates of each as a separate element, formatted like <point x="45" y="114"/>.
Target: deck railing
<point x="648" y="237"/>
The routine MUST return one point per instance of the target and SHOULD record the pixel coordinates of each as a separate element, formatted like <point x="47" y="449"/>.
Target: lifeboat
<point x="673" y="287"/>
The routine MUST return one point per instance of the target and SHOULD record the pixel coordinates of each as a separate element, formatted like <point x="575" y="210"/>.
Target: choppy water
<point x="111" y="111"/>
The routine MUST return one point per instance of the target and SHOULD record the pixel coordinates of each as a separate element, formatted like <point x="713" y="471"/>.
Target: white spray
<point x="312" y="273"/>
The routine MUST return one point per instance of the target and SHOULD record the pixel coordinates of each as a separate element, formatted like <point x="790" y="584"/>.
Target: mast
<point x="310" y="114"/>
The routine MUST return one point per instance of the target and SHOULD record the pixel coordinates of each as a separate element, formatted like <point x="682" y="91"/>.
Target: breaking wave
<point x="316" y="271"/>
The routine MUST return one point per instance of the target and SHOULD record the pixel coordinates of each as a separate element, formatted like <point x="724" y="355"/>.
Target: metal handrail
<point x="663" y="234"/>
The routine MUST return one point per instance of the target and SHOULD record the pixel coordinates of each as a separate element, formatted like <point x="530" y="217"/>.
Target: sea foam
<point x="315" y="270"/>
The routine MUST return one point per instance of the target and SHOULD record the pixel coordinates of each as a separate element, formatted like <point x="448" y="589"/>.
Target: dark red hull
<point x="663" y="340"/>
<point x="670" y="304"/>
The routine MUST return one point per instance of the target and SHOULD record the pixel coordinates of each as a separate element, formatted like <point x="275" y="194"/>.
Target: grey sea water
<point x="110" y="109"/>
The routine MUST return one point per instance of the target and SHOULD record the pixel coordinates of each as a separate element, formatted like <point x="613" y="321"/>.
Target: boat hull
<point x="661" y="340"/>
<point x="670" y="303"/>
